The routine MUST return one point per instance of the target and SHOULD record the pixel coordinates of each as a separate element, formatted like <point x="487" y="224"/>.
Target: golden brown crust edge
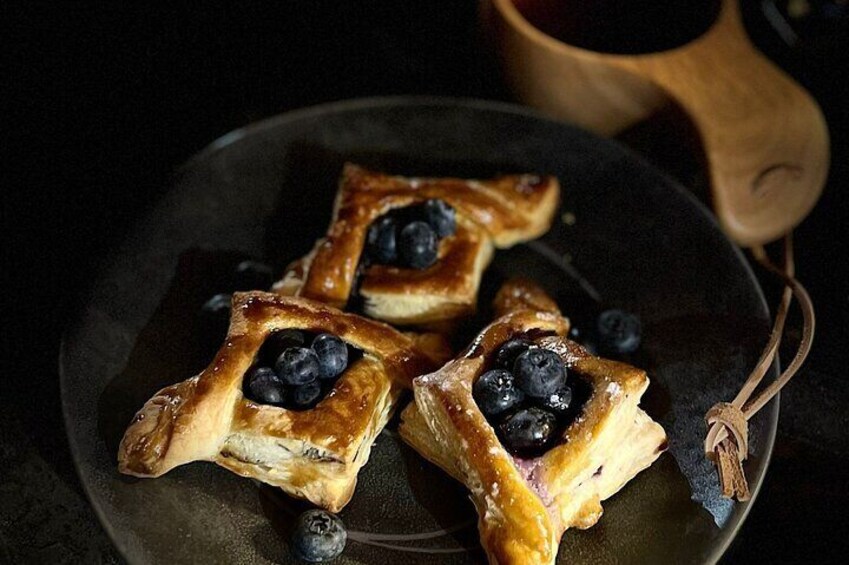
<point x="521" y="293"/>
<point x="514" y="525"/>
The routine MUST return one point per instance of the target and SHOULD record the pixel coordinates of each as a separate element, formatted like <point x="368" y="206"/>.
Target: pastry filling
<point x="529" y="397"/>
<point x="409" y="237"/>
<point x="295" y="369"/>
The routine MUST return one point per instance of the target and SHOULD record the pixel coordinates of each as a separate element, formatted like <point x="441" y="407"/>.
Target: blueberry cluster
<point x="409" y="237"/>
<point x="291" y="374"/>
<point x="527" y="397"/>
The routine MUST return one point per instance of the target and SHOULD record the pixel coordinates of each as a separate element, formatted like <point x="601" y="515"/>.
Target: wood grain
<point x="764" y="137"/>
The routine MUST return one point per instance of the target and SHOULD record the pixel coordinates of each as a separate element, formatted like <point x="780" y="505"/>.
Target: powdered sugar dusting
<point x="559" y="346"/>
<point x="492" y="511"/>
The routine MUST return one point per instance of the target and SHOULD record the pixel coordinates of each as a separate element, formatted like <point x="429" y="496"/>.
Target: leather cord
<point x="727" y="439"/>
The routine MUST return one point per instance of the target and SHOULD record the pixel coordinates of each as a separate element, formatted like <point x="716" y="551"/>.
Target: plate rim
<point x="353" y="104"/>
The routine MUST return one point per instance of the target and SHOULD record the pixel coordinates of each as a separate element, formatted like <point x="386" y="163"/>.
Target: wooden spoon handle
<point x="765" y="138"/>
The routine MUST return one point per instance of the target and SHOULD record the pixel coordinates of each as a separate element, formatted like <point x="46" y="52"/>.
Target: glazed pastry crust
<point x="514" y="524"/>
<point x="524" y="506"/>
<point x="520" y="293"/>
<point x="313" y="454"/>
<point x="491" y="213"/>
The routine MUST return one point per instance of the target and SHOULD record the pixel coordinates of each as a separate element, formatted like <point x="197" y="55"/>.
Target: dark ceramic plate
<point x="629" y="237"/>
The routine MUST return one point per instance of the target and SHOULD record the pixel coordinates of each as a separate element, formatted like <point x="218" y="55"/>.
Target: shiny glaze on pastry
<point x="524" y="505"/>
<point x="492" y="213"/>
<point x="520" y="293"/>
<point x="314" y="454"/>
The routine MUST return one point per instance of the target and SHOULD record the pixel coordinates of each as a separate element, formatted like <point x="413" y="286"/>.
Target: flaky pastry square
<point x="313" y="454"/>
<point x="496" y="213"/>
<point x="525" y="504"/>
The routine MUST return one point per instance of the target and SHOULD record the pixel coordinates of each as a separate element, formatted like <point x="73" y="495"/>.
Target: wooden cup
<point x="764" y="137"/>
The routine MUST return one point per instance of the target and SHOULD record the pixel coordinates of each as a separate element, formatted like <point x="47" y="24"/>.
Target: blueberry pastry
<point x="539" y="430"/>
<point x="412" y="250"/>
<point x="294" y="398"/>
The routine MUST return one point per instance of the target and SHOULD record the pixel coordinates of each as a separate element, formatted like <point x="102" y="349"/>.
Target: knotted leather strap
<point x="730" y="452"/>
<point x="727" y="439"/>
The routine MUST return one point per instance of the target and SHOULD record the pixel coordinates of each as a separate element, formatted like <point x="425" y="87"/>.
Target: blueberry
<point x="509" y="350"/>
<point x="417" y="245"/>
<point x="496" y="393"/>
<point x="332" y="355"/>
<point x="539" y="372"/>
<point x="278" y="342"/>
<point x="618" y="332"/>
<point x="318" y="536"/>
<point x="528" y="431"/>
<point x="557" y="402"/>
<point x="305" y="395"/>
<point x="441" y="217"/>
<point x="381" y="241"/>
<point x="252" y="275"/>
<point x="264" y="386"/>
<point x="297" y="366"/>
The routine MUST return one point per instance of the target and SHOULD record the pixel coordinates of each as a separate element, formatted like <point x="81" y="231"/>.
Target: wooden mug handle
<point x="764" y="137"/>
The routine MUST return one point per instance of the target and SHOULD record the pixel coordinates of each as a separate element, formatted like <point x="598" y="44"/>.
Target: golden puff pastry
<point x="313" y="454"/>
<point x="525" y="504"/>
<point x="489" y="213"/>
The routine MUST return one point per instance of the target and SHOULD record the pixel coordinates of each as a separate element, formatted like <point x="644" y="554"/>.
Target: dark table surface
<point x="100" y="104"/>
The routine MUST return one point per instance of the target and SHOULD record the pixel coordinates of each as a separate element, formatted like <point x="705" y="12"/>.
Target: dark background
<point x="100" y="104"/>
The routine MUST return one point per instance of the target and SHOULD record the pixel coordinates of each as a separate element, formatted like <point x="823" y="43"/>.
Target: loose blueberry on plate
<point x="557" y="402"/>
<point x="297" y="366"/>
<point x="509" y="350"/>
<point x="496" y="393"/>
<point x="441" y="217"/>
<point x="264" y="386"/>
<point x="539" y="372"/>
<point x="417" y="245"/>
<point x="252" y="275"/>
<point x="528" y="431"/>
<point x="305" y="395"/>
<point x="332" y="355"/>
<point x="618" y="332"/>
<point x="381" y="241"/>
<point x="318" y="536"/>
